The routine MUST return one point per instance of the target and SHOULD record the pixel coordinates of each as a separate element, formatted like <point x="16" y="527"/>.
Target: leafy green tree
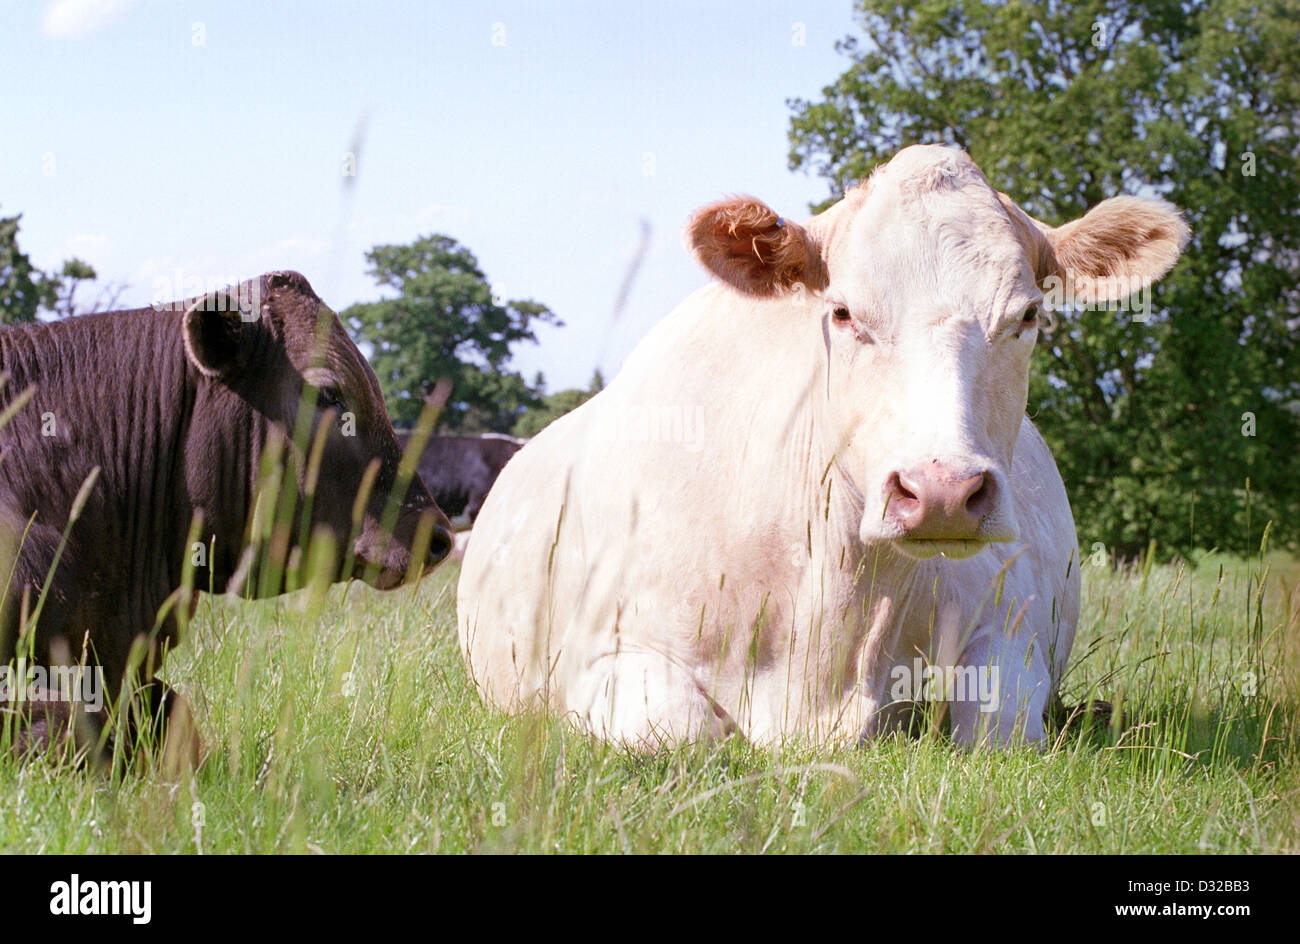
<point x="445" y="321"/>
<point x="555" y="405"/>
<point x="26" y="291"/>
<point x="74" y="273"/>
<point x="23" y="288"/>
<point x="1064" y="103"/>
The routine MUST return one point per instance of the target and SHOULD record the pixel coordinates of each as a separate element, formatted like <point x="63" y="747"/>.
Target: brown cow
<point x="459" y="471"/>
<point x="177" y="409"/>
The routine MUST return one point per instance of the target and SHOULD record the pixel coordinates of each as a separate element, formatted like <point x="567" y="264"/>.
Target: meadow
<point x="345" y="723"/>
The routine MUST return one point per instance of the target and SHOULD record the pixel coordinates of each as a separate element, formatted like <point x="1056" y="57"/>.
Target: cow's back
<point x="615" y="507"/>
<point x="459" y="471"/>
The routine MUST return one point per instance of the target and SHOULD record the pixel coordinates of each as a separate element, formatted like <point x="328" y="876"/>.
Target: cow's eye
<point x="841" y="316"/>
<point x="327" y="397"/>
<point x="1030" y="316"/>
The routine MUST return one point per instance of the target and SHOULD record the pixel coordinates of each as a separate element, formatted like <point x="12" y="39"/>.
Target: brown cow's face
<point x="295" y="365"/>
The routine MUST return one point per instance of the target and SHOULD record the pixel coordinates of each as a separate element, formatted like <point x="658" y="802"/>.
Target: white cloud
<point x="72" y="19"/>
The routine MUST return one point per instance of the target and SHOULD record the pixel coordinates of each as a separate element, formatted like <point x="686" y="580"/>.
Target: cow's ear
<point x="1118" y="247"/>
<point x="215" y="329"/>
<point x="743" y="242"/>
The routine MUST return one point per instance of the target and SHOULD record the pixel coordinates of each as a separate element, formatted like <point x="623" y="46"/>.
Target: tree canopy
<point x="1156" y="425"/>
<point x="445" y="321"/>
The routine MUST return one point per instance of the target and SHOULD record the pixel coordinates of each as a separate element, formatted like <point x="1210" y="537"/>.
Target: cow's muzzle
<point x="386" y="562"/>
<point x="938" y="508"/>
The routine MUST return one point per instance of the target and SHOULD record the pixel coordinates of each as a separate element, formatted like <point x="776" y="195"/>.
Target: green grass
<point x="356" y="730"/>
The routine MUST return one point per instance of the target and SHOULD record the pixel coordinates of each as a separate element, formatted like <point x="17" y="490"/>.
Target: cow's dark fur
<point x="175" y="408"/>
<point x="459" y="471"/>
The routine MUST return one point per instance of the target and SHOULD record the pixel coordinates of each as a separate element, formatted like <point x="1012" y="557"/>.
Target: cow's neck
<point x="116" y="391"/>
<point x="112" y="392"/>
<point x="223" y="451"/>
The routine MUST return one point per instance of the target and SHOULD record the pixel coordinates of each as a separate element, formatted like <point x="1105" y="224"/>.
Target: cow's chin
<point x="378" y="576"/>
<point x="927" y="549"/>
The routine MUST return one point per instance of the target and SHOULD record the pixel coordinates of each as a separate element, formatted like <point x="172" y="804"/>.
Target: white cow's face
<point x="929" y="288"/>
<point x="929" y="316"/>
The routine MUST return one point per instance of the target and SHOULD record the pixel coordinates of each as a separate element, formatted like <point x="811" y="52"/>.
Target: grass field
<point x="347" y="724"/>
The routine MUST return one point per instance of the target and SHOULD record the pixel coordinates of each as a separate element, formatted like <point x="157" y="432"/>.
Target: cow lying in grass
<point x="862" y="518"/>
<point x="137" y="446"/>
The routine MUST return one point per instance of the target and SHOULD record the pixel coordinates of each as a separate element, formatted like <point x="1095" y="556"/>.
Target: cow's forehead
<point x="926" y="168"/>
<point x="304" y="321"/>
<point x="343" y="357"/>
<point x="925" y="233"/>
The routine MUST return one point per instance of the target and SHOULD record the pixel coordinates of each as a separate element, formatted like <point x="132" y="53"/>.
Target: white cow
<point x="813" y="488"/>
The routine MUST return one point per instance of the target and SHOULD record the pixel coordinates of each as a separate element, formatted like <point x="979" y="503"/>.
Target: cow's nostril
<point x="980" y="500"/>
<point x="902" y="492"/>
<point x="901" y="499"/>
<point x="440" y="544"/>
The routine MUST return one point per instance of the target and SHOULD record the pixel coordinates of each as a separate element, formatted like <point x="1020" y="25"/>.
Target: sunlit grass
<point x="355" y="729"/>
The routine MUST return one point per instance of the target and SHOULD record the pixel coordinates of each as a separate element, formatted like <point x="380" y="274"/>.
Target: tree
<point x="555" y="405"/>
<point x="1156" y="425"/>
<point x="23" y="288"/>
<point x="26" y="291"/>
<point x="63" y="287"/>
<point x="445" y="322"/>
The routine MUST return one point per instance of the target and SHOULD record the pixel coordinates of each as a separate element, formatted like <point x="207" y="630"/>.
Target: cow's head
<point x="926" y="289"/>
<point x="274" y="347"/>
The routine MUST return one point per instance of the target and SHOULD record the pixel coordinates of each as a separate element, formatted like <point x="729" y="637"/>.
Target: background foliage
<point x="445" y="321"/>
<point x="555" y="405"/>
<point x="26" y="291"/>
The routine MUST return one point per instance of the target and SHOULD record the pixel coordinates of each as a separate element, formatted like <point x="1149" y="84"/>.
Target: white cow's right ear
<point x="1118" y="247"/>
<point x="743" y="242"/>
<point x="215" y="329"/>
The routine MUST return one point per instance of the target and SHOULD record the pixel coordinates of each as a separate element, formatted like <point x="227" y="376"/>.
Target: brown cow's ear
<point x="214" y="328"/>
<point x="743" y="242"/>
<point x="1118" y="247"/>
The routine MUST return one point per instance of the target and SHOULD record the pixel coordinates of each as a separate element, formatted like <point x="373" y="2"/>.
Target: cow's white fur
<point x="657" y="591"/>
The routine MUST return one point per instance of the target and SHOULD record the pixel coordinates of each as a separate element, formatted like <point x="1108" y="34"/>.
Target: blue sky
<point x="165" y="142"/>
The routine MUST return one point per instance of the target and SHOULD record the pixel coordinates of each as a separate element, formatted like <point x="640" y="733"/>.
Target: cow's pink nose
<point x="936" y="503"/>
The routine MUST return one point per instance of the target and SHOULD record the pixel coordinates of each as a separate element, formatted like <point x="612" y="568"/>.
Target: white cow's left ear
<point x="1118" y="247"/>
<point x="747" y="245"/>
